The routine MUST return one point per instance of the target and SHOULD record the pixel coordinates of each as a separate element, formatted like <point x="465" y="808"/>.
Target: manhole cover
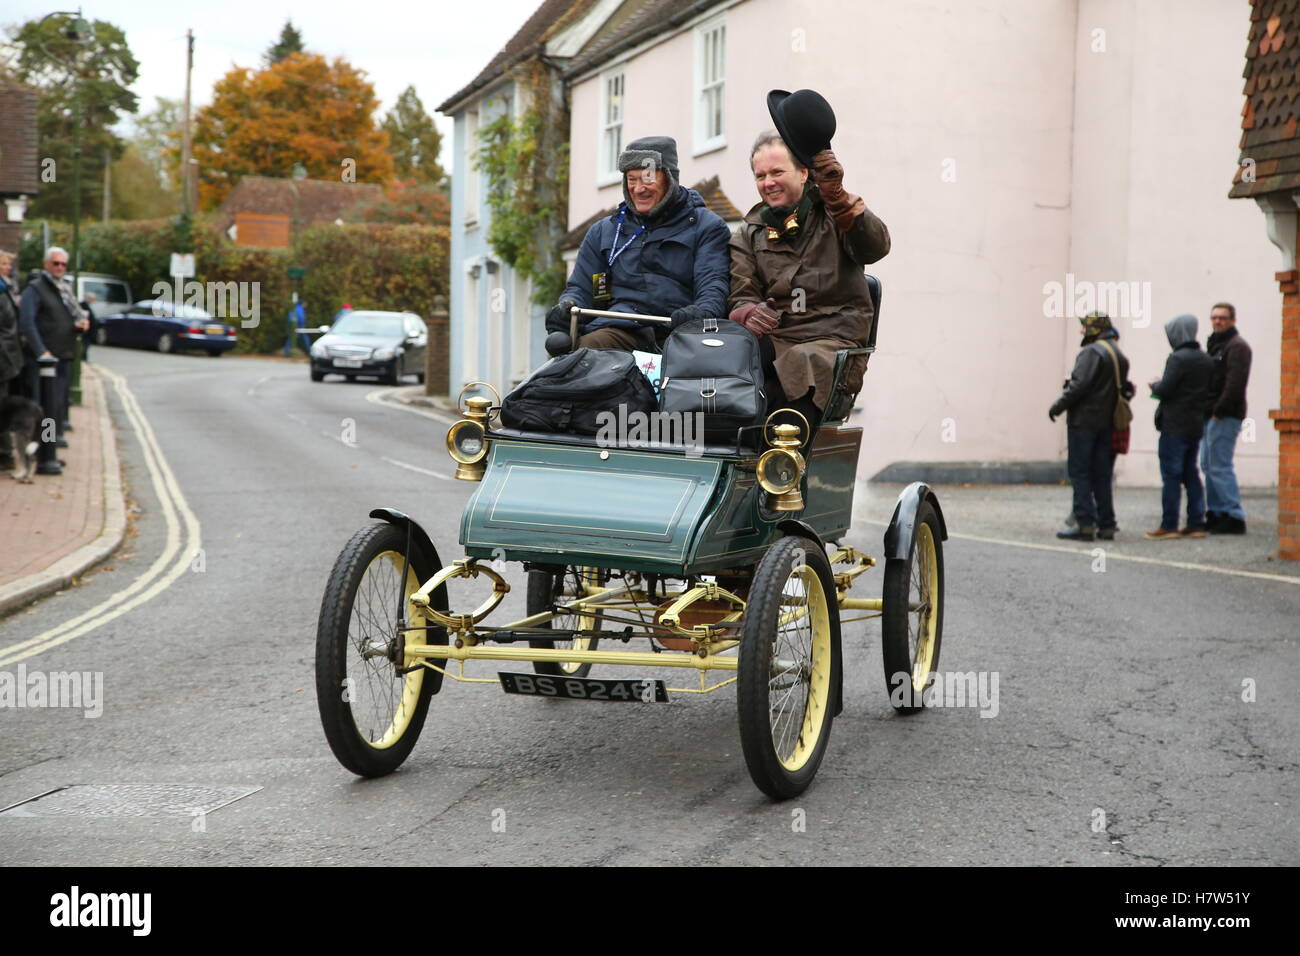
<point x="127" y="800"/>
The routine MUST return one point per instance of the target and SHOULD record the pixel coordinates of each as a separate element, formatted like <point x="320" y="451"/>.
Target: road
<point x="1120" y="736"/>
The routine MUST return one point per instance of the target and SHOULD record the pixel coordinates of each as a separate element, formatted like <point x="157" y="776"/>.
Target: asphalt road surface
<point x="1145" y="715"/>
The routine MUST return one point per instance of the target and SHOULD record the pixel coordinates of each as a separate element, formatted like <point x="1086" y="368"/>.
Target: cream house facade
<point x="1030" y="157"/>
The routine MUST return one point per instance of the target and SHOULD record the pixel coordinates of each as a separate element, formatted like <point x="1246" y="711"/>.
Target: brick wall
<point x="1287" y="421"/>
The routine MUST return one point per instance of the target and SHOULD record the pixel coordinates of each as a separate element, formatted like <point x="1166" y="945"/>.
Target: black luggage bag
<point x="569" y="392"/>
<point x="714" y="367"/>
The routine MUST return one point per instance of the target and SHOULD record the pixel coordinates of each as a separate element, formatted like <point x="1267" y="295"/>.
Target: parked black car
<point x="387" y="345"/>
<point x="167" y="327"/>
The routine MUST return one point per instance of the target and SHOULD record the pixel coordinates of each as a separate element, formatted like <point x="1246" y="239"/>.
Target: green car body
<point x="554" y="500"/>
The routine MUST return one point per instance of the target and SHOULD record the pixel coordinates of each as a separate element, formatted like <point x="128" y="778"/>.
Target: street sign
<point x="296" y="272"/>
<point x="183" y="265"/>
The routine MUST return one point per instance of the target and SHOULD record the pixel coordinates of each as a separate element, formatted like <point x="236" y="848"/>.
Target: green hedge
<point x="368" y="265"/>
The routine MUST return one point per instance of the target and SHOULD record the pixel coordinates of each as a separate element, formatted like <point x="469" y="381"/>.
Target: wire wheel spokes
<point x="381" y="698"/>
<point x="791" y="665"/>
<point x="573" y="585"/>
<point x="920" y="617"/>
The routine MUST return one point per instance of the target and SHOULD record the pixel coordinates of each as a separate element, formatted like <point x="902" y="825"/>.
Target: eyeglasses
<point x="57" y="263"/>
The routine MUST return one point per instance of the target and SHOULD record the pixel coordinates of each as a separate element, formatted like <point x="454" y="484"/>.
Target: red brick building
<point x="1269" y="173"/>
<point x="19" y="163"/>
<point x="265" y="211"/>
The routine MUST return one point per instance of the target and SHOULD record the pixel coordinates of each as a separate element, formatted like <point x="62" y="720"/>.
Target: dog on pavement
<point x="20" y="428"/>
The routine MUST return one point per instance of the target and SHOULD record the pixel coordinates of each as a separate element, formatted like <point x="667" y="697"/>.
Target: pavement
<point x="60" y="526"/>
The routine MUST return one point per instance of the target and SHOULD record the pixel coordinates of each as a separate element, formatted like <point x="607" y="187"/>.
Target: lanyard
<point x="616" y="250"/>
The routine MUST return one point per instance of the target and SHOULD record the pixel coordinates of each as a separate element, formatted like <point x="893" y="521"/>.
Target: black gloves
<point x="558" y="316"/>
<point x="688" y="312"/>
<point x="1052" y="413"/>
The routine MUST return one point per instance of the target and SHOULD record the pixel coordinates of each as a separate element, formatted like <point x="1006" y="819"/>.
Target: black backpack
<point x="570" y="391"/>
<point x="714" y="367"/>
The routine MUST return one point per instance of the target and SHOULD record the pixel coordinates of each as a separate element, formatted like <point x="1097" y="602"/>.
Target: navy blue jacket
<point x="681" y="259"/>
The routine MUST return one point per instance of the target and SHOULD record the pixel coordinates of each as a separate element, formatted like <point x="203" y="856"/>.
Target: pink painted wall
<point x="1003" y="153"/>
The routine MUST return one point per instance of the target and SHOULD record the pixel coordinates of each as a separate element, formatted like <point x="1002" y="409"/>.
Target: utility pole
<point x="187" y="206"/>
<point x="108" y="183"/>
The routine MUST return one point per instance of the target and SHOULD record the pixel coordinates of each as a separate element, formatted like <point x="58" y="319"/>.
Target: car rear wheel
<point x="165" y="342"/>
<point x="101" y="336"/>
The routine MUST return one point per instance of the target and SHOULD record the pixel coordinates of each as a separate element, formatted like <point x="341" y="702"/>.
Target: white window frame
<point x="520" y="327"/>
<point x="472" y="181"/>
<point x="607" y="173"/>
<point x="710" y="85"/>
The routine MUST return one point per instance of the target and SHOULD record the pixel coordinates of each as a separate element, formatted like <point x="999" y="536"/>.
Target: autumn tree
<point x="414" y="140"/>
<point x="301" y="111"/>
<point x="408" y="201"/>
<point x="137" y="191"/>
<point x="290" y="42"/>
<point x="157" y="138"/>
<point x="92" y="73"/>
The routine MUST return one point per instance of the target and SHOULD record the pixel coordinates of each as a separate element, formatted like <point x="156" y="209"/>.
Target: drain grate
<point x="127" y="800"/>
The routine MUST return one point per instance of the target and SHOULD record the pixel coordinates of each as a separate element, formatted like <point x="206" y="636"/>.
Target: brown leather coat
<point x="820" y="270"/>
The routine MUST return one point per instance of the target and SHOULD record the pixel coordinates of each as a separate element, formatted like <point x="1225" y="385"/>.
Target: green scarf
<point x="786" y="221"/>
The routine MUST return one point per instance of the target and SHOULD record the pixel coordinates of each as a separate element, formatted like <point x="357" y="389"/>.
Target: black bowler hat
<point x="805" y="121"/>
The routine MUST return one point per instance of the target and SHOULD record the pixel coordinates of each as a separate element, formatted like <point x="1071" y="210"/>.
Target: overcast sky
<point x="438" y="46"/>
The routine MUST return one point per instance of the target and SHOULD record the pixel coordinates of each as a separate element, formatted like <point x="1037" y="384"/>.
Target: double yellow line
<point x="182" y="544"/>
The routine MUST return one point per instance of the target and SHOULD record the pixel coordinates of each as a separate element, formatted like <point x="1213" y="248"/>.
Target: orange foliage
<point x="302" y="110"/>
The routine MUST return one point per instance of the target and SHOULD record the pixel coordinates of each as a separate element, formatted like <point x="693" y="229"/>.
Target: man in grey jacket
<point x="1184" y="391"/>
<point x="50" y="318"/>
<point x="663" y="252"/>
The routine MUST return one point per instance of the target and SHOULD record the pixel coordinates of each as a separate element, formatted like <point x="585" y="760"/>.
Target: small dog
<point x="20" y="428"/>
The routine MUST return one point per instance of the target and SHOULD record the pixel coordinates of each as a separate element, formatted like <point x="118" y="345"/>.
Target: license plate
<point x="586" y="688"/>
<point x="215" y="330"/>
<point x="348" y="363"/>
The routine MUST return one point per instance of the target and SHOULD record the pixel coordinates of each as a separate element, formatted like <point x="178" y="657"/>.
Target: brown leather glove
<point x="843" y="207"/>
<point x="759" y="318"/>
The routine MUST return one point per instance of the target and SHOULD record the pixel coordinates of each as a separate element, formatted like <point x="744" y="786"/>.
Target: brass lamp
<point x="780" y="469"/>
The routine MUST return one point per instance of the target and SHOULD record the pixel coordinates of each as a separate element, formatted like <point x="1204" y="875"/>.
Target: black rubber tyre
<point x="391" y="376"/>
<point x="372" y="714"/>
<point x="215" y="353"/>
<point x="788" y="675"/>
<point x="317" y="376"/>
<point x="165" y="342"/>
<point x="912" y="616"/>
<point x="544" y="589"/>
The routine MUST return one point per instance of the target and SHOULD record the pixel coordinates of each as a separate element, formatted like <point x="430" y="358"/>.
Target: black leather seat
<point x="841" y="401"/>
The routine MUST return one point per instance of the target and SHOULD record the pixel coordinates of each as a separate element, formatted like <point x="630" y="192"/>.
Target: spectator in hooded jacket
<point x="1183" y="391"/>
<point x="1231" y="354"/>
<point x="1089" y="402"/>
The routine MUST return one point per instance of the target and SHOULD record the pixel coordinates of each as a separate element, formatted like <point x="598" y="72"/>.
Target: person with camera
<point x="1089" y="401"/>
<point x="662" y="252"/>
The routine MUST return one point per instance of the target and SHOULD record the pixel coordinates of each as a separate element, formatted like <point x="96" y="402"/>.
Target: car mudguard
<point x="902" y="526"/>
<point x="420" y="539"/>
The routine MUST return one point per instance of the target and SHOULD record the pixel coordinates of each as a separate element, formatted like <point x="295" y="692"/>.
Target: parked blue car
<point x="166" y="326"/>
